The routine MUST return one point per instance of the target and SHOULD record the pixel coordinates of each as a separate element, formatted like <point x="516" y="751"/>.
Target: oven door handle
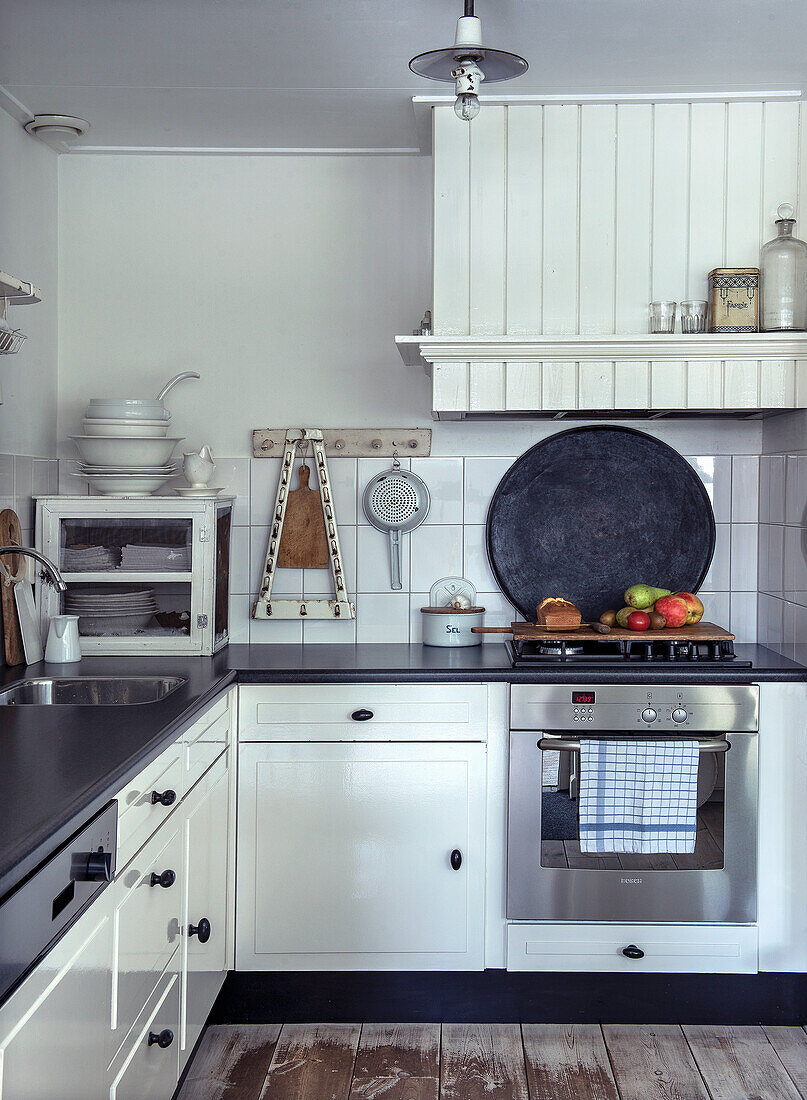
<point x="572" y="744"/>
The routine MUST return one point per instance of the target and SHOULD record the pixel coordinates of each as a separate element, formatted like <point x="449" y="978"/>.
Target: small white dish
<point x="134" y="429"/>
<point x="205" y="491"/>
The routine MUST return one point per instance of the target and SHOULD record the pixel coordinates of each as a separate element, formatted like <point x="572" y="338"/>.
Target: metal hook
<point x="396" y="462"/>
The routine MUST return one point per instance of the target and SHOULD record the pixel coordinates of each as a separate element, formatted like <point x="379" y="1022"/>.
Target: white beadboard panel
<point x="801" y="381"/>
<point x="745" y="157"/>
<point x="443" y="476"/>
<point x="633" y="217"/>
<point x="718" y="579"/>
<point x="450" y="387"/>
<point x="777" y="384"/>
<point x="741" y="384"/>
<point x="523" y="386"/>
<point x="596" y="228"/>
<point x="631" y="385"/>
<point x="668" y="385"/>
<point x="596" y="385"/>
<point x="670" y="200"/>
<point x="707" y="223"/>
<point x="482" y="475"/>
<point x="487" y="223"/>
<point x="745" y="488"/>
<point x="705" y="384"/>
<point x="486" y="387"/>
<point x="451" y="227"/>
<point x="780" y="162"/>
<point x="382" y="617"/>
<point x="743" y="617"/>
<point x="744" y="547"/>
<point x="559" y="384"/>
<point x="561" y="168"/>
<point x="524" y="221"/>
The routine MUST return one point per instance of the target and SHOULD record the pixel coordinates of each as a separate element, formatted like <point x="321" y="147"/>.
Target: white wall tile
<point x="277" y="631"/>
<point x="744" y="548"/>
<point x="343" y="484"/>
<point x="263" y="476"/>
<point x="788" y="646"/>
<point x="436" y="552"/>
<point x="477" y="567"/>
<point x="288" y="582"/>
<point x="382" y="617"/>
<point x="744" y="488"/>
<point x="744" y="616"/>
<point x="329" y="631"/>
<point x="233" y="475"/>
<point x="796" y="489"/>
<point x="416" y="601"/>
<point x="716" y="607"/>
<point x="772" y="489"/>
<point x="498" y="612"/>
<point x="482" y="475"/>
<point x="715" y="473"/>
<point x="799" y="642"/>
<point x="239" y="561"/>
<point x="718" y="579"/>
<point x="770" y="615"/>
<point x="443" y="476"/>
<point x="41" y="476"/>
<point x="373" y="560"/>
<point x="6" y="476"/>
<point x="240" y="610"/>
<point x="367" y="468"/>
<point x="772" y="558"/>
<point x="796" y="564"/>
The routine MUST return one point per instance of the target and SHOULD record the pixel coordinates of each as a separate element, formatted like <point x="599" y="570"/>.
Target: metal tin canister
<point x="451" y="627"/>
<point x="734" y="299"/>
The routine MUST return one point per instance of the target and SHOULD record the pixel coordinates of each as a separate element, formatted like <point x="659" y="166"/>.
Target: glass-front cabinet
<point x="143" y="575"/>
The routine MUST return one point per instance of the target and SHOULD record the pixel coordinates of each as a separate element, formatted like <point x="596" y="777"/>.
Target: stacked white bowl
<point x="125" y="447"/>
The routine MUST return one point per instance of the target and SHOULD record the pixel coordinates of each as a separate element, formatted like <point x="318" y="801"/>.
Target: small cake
<point x="555" y="613"/>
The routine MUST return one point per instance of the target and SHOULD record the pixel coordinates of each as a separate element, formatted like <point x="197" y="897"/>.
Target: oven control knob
<point x="649" y="715"/>
<point x="679" y="715"/>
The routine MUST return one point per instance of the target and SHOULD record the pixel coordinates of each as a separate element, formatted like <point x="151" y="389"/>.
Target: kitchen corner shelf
<point x="18" y="292"/>
<point x="753" y="374"/>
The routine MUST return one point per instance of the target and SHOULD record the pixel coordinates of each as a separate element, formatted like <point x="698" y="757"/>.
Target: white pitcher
<point x="63" y="645"/>
<point x="198" y="467"/>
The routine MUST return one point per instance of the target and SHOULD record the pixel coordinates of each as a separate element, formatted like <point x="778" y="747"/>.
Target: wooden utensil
<point x="304" y="543"/>
<point x="11" y="533"/>
<point x="29" y="625"/>
<point x="593" y="632"/>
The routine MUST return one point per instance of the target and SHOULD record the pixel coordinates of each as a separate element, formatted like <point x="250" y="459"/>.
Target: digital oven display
<point x="583" y="697"/>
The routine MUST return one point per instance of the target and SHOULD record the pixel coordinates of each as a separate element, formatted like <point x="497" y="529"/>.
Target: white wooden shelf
<point x="127" y="577"/>
<point x="18" y="292"/>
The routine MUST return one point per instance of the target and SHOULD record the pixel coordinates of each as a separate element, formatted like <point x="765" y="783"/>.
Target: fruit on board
<point x="638" y="620"/>
<point x="694" y="606"/>
<point x="642" y="596"/>
<point x="674" y="610"/>
<point x="622" y="617"/>
<point x="608" y="618"/>
<point x="657" y="621"/>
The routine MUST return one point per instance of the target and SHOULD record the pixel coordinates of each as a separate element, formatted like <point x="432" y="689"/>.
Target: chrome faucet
<point x="26" y="551"/>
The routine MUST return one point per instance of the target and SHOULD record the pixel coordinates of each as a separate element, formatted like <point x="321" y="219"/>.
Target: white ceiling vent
<point x="58" y="131"/>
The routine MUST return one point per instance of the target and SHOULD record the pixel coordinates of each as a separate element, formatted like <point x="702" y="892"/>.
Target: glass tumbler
<point x="662" y="316"/>
<point x="693" y="316"/>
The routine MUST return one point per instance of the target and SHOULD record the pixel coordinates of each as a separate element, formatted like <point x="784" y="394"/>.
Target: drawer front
<point x="204" y="746"/>
<point x="147" y="925"/>
<point x="363" y="712"/>
<point x="149" y="1071"/>
<point x="676" y="949"/>
<point x="138" y="815"/>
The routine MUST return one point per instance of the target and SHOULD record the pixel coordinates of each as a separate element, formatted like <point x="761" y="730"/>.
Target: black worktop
<point x="59" y="764"/>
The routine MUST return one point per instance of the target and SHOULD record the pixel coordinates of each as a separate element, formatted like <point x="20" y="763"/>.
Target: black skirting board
<point x="498" y="996"/>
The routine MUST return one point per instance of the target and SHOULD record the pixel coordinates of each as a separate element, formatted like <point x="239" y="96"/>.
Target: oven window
<point x="560" y="839"/>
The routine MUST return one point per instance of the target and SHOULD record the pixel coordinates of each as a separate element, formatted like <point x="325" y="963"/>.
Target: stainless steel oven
<point x="549" y="878"/>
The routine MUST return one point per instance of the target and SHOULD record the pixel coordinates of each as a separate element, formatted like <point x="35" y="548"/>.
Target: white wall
<point x="28" y="250"/>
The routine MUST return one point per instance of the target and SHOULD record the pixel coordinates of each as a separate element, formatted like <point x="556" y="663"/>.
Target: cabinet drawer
<point x="147" y="925"/>
<point x="363" y="712"/>
<point x="138" y="815"/>
<point x="677" y="949"/>
<point x="149" y="1071"/>
<point x="203" y="746"/>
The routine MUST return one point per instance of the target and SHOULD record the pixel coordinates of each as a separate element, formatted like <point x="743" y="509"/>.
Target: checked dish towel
<point x="638" y="796"/>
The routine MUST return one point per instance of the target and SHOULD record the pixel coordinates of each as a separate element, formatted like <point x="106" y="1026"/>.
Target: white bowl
<point x="127" y="408"/>
<point x="132" y="485"/>
<point x="140" y="429"/>
<point x="122" y="450"/>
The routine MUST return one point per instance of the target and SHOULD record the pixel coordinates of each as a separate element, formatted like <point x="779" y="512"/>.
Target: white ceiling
<point x="307" y="74"/>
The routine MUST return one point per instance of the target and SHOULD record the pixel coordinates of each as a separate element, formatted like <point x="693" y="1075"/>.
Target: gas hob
<point x="717" y="655"/>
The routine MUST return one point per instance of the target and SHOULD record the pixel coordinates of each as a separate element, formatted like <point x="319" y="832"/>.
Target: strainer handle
<point x="395" y="558"/>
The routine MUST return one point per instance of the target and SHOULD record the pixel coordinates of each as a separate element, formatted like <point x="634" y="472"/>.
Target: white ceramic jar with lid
<point x="451" y="614"/>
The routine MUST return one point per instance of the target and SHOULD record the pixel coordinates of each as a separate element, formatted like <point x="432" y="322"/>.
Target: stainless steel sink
<point x="85" y="691"/>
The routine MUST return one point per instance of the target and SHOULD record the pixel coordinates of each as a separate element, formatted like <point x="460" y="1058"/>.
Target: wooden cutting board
<point x="11" y="532"/>
<point x="529" y="632"/>
<point x="303" y="541"/>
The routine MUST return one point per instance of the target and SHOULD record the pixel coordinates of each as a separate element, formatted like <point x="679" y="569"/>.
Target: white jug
<point x="63" y="646"/>
<point x="198" y="467"/>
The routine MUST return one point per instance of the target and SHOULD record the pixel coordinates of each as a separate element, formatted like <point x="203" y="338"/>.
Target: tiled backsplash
<point x="451" y="541"/>
<point x="23" y="477"/>
<point x="783" y="553"/>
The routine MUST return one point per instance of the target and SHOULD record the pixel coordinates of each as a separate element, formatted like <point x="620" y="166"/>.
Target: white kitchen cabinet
<point x="149" y="1067"/>
<point x="345" y="856"/>
<point x="207" y="854"/>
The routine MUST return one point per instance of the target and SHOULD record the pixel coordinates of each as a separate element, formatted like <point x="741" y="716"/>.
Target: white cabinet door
<point x="345" y="857"/>
<point x="206" y="855"/>
<point x="54" y="1031"/>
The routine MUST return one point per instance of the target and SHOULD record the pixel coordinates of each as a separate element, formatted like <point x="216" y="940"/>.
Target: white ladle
<point x="177" y="378"/>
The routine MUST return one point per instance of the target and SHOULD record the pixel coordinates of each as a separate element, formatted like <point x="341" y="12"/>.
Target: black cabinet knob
<point x="632" y="952"/>
<point x="361" y="715"/>
<point x="163" y="1038"/>
<point x="202" y="930"/>
<point x="456" y="859"/>
<point x="166" y="879"/>
<point x="167" y="798"/>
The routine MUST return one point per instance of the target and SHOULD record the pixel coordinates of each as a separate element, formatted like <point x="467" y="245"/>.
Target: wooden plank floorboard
<point x="738" y="1063"/>
<point x="231" y="1063"/>
<point x="482" y="1062"/>
<point x="395" y="1088"/>
<point x="790" y="1043"/>
<point x="312" y="1062"/>
<point x="397" y="1062"/>
<point x="567" y="1062"/>
<point x="653" y="1062"/>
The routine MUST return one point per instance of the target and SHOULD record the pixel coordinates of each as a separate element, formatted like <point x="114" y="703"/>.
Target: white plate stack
<point x="117" y="461"/>
<point x="103" y="613"/>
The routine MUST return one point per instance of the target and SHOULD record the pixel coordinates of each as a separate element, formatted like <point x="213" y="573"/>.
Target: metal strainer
<point x="396" y="501"/>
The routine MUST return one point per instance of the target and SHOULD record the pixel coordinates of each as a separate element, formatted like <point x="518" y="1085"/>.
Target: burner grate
<point x="525" y="652"/>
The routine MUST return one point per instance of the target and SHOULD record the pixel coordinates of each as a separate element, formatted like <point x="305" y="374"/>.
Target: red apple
<point x="638" y="620"/>
<point x="694" y="606"/>
<point x="674" y="610"/>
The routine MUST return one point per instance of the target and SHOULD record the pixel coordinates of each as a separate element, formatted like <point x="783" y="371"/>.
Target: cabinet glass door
<point x="102" y="545"/>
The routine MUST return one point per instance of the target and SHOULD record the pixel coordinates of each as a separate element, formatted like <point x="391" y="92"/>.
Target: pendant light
<point x="467" y="63"/>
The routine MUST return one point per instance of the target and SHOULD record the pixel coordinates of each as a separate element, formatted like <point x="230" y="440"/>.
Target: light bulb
<point x="466" y="106"/>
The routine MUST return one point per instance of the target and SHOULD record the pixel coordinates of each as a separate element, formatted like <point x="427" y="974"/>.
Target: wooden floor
<point x="498" y="1062"/>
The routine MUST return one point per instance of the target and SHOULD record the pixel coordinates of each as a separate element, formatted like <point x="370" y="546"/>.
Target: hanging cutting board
<point x="304" y="544"/>
<point x="11" y="532"/>
<point x="588" y="512"/>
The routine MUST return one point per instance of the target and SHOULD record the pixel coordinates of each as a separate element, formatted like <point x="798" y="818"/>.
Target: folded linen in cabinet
<point x="638" y="796"/>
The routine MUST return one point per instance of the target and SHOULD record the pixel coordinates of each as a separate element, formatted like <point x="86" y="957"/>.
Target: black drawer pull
<point x="456" y="859"/>
<point x="361" y="715"/>
<point x="166" y="879"/>
<point x="202" y="930"/>
<point x="164" y="1039"/>
<point x="632" y="952"/>
<point x="167" y="798"/>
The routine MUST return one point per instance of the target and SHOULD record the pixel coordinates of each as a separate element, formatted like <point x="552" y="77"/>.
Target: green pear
<point x="622" y="617"/>
<point x="641" y="596"/>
